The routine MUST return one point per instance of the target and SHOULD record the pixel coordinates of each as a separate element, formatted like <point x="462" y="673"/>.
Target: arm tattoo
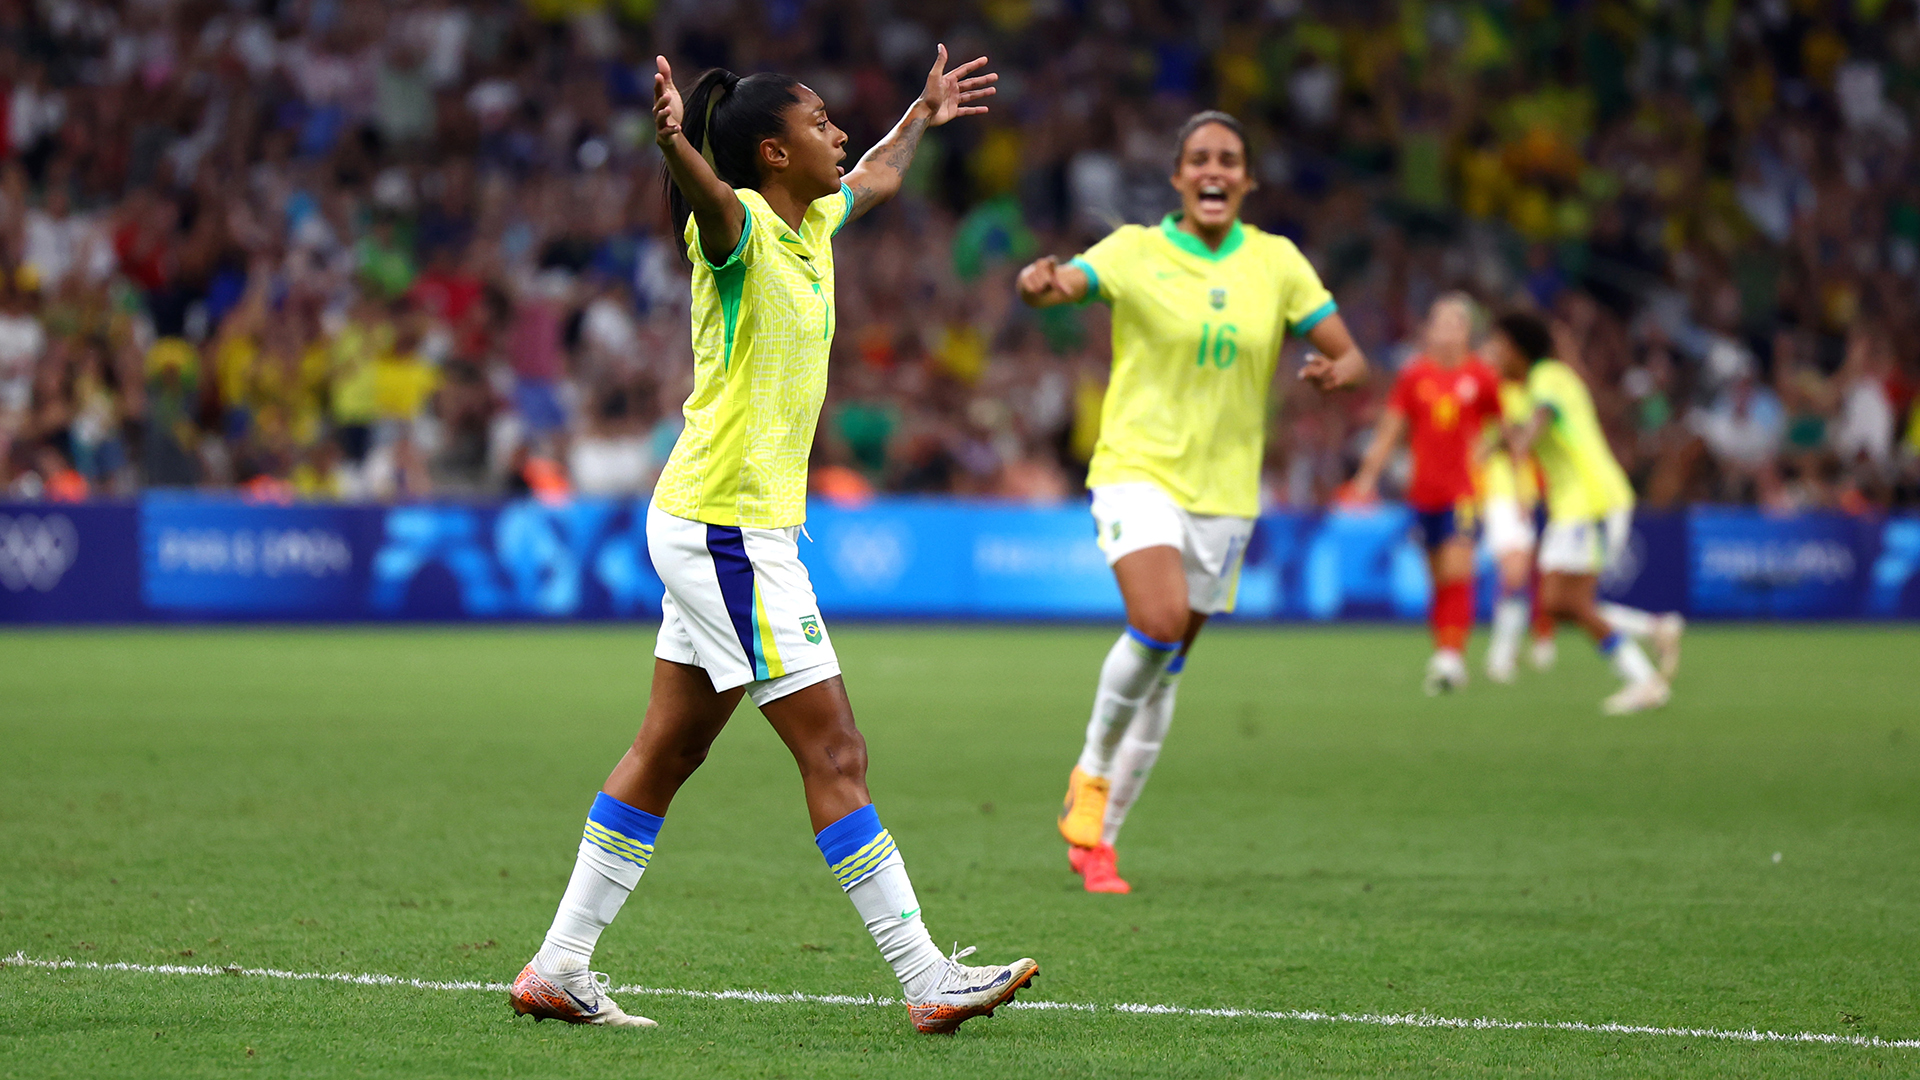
<point x="895" y="152"/>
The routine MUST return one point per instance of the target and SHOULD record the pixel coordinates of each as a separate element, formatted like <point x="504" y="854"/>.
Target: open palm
<point x="951" y="93"/>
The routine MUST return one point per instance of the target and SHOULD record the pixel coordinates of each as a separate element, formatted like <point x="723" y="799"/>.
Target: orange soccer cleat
<point x="1099" y="865"/>
<point x="1084" y="813"/>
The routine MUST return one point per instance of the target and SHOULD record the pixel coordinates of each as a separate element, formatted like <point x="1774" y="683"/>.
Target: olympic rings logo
<point x="36" y="552"/>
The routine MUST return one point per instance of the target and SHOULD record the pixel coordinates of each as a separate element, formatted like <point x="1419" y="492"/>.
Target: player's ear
<point x="773" y="154"/>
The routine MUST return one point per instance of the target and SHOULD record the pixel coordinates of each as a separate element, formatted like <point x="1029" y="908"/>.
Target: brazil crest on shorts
<point x="810" y="628"/>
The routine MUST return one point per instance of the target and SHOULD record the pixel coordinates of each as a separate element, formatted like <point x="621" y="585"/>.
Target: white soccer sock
<point x="1133" y="763"/>
<point x="1509" y="623"/>
<point x="1629" y="662"/>
<point x="1132" y="668"/>
<point x="615" y="847"/>
<point x="600" y="884"/>
<point x="1629" y="621"/>
<point x="887" y="905"/>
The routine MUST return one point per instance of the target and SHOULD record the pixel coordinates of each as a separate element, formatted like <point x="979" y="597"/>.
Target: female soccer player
<point x="1589" y="512"/>
<point x="1441" y="401"/>
<point x="757" y="193"/>
<point x="1510" y="500"/>
<point x="1200" y="304"/>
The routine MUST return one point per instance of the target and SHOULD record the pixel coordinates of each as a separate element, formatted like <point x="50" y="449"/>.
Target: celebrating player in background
<point x="757" y="193"/>
<point x="1201" y="303"/>
<point x="1589" y="512"/>
<point x="1442" y="401"/>
<point x="1510" y="501"/>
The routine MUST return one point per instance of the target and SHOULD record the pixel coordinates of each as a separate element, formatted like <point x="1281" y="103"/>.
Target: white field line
<point x="760" y="997"/>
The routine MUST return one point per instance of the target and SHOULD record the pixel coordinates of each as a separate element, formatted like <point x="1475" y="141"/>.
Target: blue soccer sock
<point x="862" y="856"/>
<point x="614" y="850"/>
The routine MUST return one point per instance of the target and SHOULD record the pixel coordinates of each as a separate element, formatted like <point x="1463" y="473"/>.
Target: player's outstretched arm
<point x="1336" y="362"/>
<point x="948" y="94"/>
<point x="1047" y="282"/>
<point x="716" y="209"/>
<point x="1366" y="481"/>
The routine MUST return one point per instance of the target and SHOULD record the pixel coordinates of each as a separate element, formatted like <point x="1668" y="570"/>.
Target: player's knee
<point x="842" y="755"/>
<point x="1167" y="625"/>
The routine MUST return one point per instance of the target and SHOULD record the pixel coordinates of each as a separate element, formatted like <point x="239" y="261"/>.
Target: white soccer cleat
<point x="962" y="993"/>
<point x="1665" y="640"/>
<point x="1543" y="654"/>
<point x="1637" y="697"/>
<point x="578" y="996"/>
<point x="1446" y="672"/>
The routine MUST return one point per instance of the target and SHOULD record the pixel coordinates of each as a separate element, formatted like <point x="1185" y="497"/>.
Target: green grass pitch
<point x="1318" y="836"/>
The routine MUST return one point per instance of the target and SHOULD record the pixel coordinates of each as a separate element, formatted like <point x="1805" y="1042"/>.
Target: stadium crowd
<point x="344" y="249"/>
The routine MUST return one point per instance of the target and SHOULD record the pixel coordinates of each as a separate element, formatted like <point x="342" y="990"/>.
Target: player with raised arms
<point x="757" y="194"/>
<point x="1589" y="512"/>
<point x="1201" y="303"/>
<point x="1441" y="401"/>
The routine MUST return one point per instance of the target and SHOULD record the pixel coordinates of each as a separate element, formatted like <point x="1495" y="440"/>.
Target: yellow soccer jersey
<point x="762" y="327"/>
<point x="1584" y="482"/>
<point x="1196" y="338"/>
<point x="1498" y="478"/>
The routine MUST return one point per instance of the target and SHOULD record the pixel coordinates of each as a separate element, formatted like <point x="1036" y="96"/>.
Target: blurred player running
<point x="1201" y="303"/>
<point x="1441" y="401"/>
<point x="758" y="197"/>
<point x="1589" y="512"/>
<point x="1510" y="505"/>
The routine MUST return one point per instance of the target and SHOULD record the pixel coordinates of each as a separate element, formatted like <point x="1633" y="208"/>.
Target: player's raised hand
<point x="1340" y="373"/>
<point x="952" y="93"/>
<point x="667" y="110"/>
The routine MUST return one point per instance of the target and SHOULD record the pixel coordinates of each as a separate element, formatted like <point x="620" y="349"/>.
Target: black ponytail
<point x="727" y="118"/>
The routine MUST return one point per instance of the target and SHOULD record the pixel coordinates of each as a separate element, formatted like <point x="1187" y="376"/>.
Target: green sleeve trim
<point x="1093" y="279"/>
<point x="746" y="230"/>
<point x="846" y="193"/>
<point x="1315" y="318"/>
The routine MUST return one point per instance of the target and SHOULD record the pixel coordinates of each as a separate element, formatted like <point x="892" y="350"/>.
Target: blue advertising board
<point x="172" y="557"/>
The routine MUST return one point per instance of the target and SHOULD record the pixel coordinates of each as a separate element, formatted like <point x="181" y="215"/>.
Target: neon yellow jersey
<point x="1498" y="478"/>
<point x="762" y="327"/>
<point x="1196" y="338"/>
<point x="1584" y="482"/>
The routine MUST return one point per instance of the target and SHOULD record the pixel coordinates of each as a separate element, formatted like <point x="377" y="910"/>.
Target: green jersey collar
<point x="1193" y="245"/>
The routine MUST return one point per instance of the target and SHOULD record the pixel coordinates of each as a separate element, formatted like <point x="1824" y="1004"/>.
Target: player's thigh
<point x="1215" y="551"/>
<point x="684" y="711"/>
<point x="1144" y="536"/>
<point x="1453" y="559"/>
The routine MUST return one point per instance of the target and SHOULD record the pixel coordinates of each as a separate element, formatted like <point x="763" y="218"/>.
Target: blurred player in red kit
<point x="1440" y="401"/>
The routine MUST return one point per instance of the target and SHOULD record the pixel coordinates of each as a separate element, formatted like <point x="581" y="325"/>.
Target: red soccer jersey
<point x="1445" y="408"/>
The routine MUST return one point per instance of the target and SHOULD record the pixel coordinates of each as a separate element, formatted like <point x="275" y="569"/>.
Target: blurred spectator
<point x="388" y="248"/>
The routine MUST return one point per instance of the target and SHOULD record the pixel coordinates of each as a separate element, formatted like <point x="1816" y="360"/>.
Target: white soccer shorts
<point x="1508" y="529"/>
<point x="1212" y="546"/>
<point x="1585" y="545"/>
<point x="740" y="605"/>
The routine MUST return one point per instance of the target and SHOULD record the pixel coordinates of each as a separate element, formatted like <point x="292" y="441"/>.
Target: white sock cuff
<point x="617" y="870"/>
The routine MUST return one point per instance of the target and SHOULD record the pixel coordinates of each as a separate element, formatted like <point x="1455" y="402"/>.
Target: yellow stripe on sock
<point x="866" y="859"/>
<point x="879" y="838"/>
<point x="614" y="843"/>
<point x="769" y="650"/>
